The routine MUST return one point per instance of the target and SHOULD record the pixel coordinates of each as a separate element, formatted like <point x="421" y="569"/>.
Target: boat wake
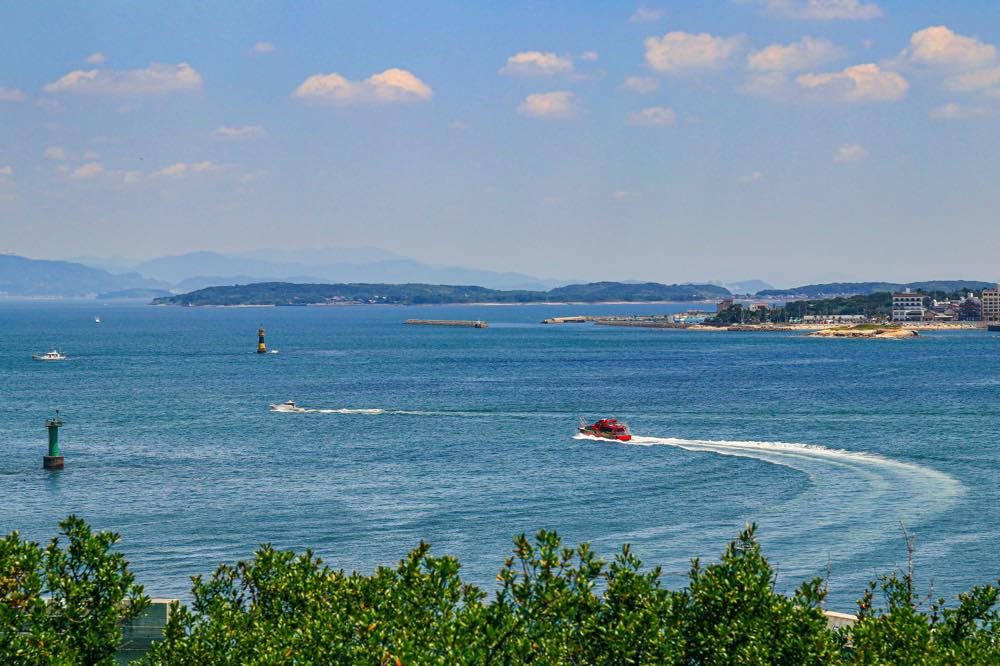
<point x="851" y="499"/>
<point x="285" y="409"/>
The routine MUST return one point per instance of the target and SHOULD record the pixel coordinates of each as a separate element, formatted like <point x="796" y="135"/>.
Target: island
<point x="289" y="293"/>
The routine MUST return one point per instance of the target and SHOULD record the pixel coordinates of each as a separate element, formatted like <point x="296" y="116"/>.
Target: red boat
<point x="606" y="428"/>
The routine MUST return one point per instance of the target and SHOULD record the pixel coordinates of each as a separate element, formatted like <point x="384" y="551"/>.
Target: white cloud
<point x="11" y="95"/>
<point x="240" y="133"/>
<point x="264" y="47"/>
<point x="56" y="153"/>
<point x="555" y="105"/>
<point x="956" y="111"/>
<point x="590" y="56"/>
<point x="850" y="153"/>
<point x="391" y="86"/>
<point x="752" y="177"/>
<point x="939" y="45"/>
<point x="88" y="170"/>
<point x="625" y="195"/>
<point x="806" y="53"/>
<point x="823" y="10"/>
<point x="183" y="168"/>
<point x="536" y="63"/>
<point x="641" y="84"/>
<point x="95" y="58"/>
<point x="654" y="116"/>
<point x="157" y="79"/>
<point x="860" y="83"/>
<point x="646" y="14"/>
<point x="7" y="170"/>
<point x="679" y="51"/>
<point x="977" y="79"/>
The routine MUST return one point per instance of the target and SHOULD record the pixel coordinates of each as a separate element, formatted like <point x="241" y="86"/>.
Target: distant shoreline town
<point x="951" y="304"/>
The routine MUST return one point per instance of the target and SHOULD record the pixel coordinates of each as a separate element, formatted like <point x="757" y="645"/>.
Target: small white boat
<point x="53" y="355"/>
<point x="287" y="406"/>
<point x="97" y="320"/>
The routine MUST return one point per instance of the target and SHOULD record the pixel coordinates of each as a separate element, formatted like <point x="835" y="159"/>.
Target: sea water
<point x="465" y="437"/>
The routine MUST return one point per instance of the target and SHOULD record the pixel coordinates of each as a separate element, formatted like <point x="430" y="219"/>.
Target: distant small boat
<point x="97" y="320"/>
<point x="53" y="355"/>
<point x="287" y="406"/>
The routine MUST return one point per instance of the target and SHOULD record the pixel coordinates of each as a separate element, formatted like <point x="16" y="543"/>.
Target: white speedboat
<point x="287" y="406"/>
<point x="53" y="355"/>
<point x="97" y="320"/>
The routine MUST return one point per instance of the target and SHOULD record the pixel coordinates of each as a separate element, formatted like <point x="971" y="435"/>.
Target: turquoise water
<point x="828" y="444"/>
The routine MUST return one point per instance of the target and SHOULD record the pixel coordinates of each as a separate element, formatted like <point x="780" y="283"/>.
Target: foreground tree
<point x="65" y="605"/>
<point x="280" y="608"/>
<point x="554" y="605"/>
<point x="731" y="613"/>
<point x="899" y="632"/>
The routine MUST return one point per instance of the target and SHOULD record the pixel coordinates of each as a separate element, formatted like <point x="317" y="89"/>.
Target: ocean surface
<point x="465" y="437"/>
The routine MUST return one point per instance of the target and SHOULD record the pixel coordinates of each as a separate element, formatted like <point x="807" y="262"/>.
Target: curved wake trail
<point x="852" y="500"/>
<point x="419" y="412"/>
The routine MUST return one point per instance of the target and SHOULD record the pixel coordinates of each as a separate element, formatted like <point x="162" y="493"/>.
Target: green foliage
<point x="554" y="605"/>
<point x="279" y="605"/>
<point x="65" y="605"/>
<point x="287" y="293"/>
<point x="732" y="615"/>
<point x="872" y="305"/>
<point x="876" y="305"/>
<point x="898" y="632"/>
<point x="548" y="612"/>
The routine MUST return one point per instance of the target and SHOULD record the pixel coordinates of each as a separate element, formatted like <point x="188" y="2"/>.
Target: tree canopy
<point x="554" y="604"/>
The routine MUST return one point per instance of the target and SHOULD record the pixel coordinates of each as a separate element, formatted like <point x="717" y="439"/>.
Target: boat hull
<point x="605" y="435"/>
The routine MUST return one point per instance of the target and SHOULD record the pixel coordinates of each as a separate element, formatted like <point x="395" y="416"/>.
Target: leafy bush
<point x="553" y="605"/>
<point x="65" y="605"/>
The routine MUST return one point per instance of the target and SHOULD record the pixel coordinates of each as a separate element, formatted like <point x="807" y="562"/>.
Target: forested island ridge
<point x="289" y="293"/>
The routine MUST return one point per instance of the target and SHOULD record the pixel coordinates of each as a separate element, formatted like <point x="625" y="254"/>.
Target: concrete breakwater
<point x="640" y="323"/>
<point x="582" y="319"/>
<point x="448" y="322"/>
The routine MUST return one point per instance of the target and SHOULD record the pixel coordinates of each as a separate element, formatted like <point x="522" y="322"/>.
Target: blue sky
<point x="791" y="140"/>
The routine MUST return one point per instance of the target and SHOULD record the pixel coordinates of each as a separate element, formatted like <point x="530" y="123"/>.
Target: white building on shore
<point x="907" y="306"/>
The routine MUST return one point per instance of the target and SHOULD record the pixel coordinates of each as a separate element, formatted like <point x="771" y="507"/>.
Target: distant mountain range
<point x="286" y="293"/>
<point x="20" y="276"/>
<point x="118" y="277"/>
<point x="746" y="286"/>
<point x="201" y="269"/>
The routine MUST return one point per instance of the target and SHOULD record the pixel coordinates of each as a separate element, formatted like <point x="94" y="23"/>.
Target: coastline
<point x="429" y="305"/>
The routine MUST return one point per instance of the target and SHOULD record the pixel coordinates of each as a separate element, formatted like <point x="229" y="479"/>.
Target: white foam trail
<point x="782" y="450"/>
<point x="852" y="499"/>
<point x="305" y="410"/>
<point x="418" y="412"/>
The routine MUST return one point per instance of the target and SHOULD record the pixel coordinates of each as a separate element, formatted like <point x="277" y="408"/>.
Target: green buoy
<point x="55" y="458"/>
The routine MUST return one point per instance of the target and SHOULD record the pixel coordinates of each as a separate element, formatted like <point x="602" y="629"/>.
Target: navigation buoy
<point x="261" y="347"/>
<point x="55" y="458"/>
